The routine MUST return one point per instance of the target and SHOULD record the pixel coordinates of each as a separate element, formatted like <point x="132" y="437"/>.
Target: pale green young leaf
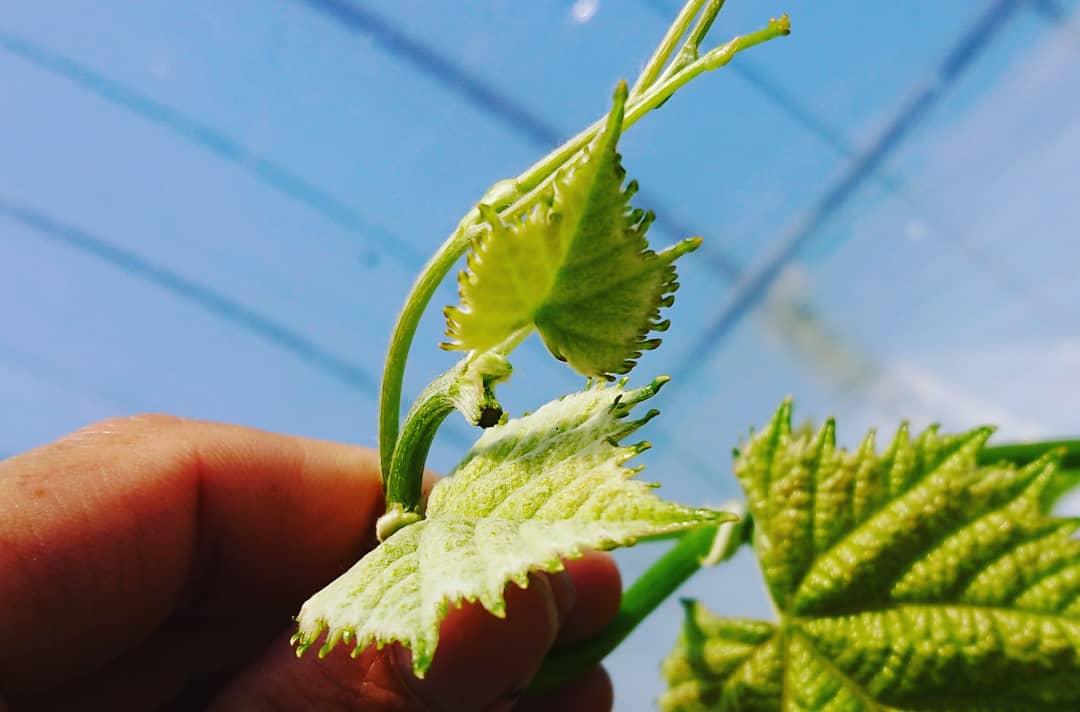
<point x="531" y="492"/>
<point x="577" y="268"/>
<point x="913" y="579"/>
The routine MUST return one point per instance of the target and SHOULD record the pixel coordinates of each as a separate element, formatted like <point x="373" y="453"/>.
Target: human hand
<point x="156" y="562"/>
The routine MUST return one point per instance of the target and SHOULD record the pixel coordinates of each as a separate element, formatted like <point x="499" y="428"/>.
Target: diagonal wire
<point x="1050" y="10"/>
<point x="754" y="284"/>
<point x="815" y="125"/>
<point x="489" y="99"/>
<point x="274" y="333"/>
<point x="394" y="41"/>
<point x="279" y="177"/>
<point x="760" y="81"/>
<point x="892" y="184"/>
<point x="266" y="328"/>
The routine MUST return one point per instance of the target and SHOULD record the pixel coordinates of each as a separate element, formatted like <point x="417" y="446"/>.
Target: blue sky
<point x="215" y="209"/>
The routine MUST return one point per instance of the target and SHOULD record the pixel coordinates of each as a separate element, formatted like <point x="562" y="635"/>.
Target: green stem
<point x="467" y="387"/>
<point x="535" y="180"/>
<point x="403" y="487"/>
<point x="650" y="590"/>
<point x="692" y="47"/>
<point x="667" y="45"/>
<point x="713" y="59"/>
<point x="404" y="331"/>
<point x="522" y="192"/>
<point x="704" y="24"/>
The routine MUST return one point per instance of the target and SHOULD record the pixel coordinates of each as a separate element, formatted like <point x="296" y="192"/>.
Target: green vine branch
<point x="512" y="199"/>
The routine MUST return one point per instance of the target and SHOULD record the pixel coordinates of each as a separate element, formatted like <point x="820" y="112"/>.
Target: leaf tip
<point x="972" y="442"/>
<point x="781" y="420"/>
<point x="622" y="91"/>
<point x="680" y="248"/>
<point x="489" y="214"/>
<point x="420" y="664"/>
<point x="826" y="435"/>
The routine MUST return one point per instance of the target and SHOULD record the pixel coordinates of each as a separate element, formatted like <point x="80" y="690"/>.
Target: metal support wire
<point x="269" y="330"/>
<point x="489" y="99"/>
<point x="752" y="286"/>
<point x="274" y="333"/>
<point x="278" y="177"/>
<point x="1049" y="9"/>
<point x="429" y="61"/>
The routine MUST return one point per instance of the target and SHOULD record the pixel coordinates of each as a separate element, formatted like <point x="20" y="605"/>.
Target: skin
<point x="154" y="562"/>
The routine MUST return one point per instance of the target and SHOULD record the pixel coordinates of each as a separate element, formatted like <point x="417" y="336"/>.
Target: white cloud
<point x="911" y="392"/>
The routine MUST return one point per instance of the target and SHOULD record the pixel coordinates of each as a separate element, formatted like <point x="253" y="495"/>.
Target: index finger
<point x="106" y="532"/>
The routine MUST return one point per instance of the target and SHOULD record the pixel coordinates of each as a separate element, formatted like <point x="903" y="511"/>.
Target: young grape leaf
<point x="531" y="492"/>
<point x="909" y="580"/>
<point x="578" y="268"/>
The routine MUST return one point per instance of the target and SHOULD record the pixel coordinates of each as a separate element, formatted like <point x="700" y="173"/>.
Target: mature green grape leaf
<point x="531" y="492"/>
<point x="578" y="268"/>
<point x="913" y="579"/>
<point x="1023" y="453"/>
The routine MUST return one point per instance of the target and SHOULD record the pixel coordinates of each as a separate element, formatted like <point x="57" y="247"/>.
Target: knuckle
<point x="130" y="428"/>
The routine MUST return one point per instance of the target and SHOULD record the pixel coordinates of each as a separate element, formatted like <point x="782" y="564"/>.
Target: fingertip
<point x="507" y="650"/>
<point x="563" y="593"/>
<point x="339" y="681"/>
<point x="598" y="593"/>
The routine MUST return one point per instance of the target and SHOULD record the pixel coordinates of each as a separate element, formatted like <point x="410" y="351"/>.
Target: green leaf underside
<point x="908" y="580"/>
<point x="531" y="492"/>
<point x="578" y="268"/>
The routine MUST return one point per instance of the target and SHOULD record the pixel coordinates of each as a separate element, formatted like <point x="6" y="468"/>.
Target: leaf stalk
<point x="652" y="69"/>
<point x="467" y="387"/>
